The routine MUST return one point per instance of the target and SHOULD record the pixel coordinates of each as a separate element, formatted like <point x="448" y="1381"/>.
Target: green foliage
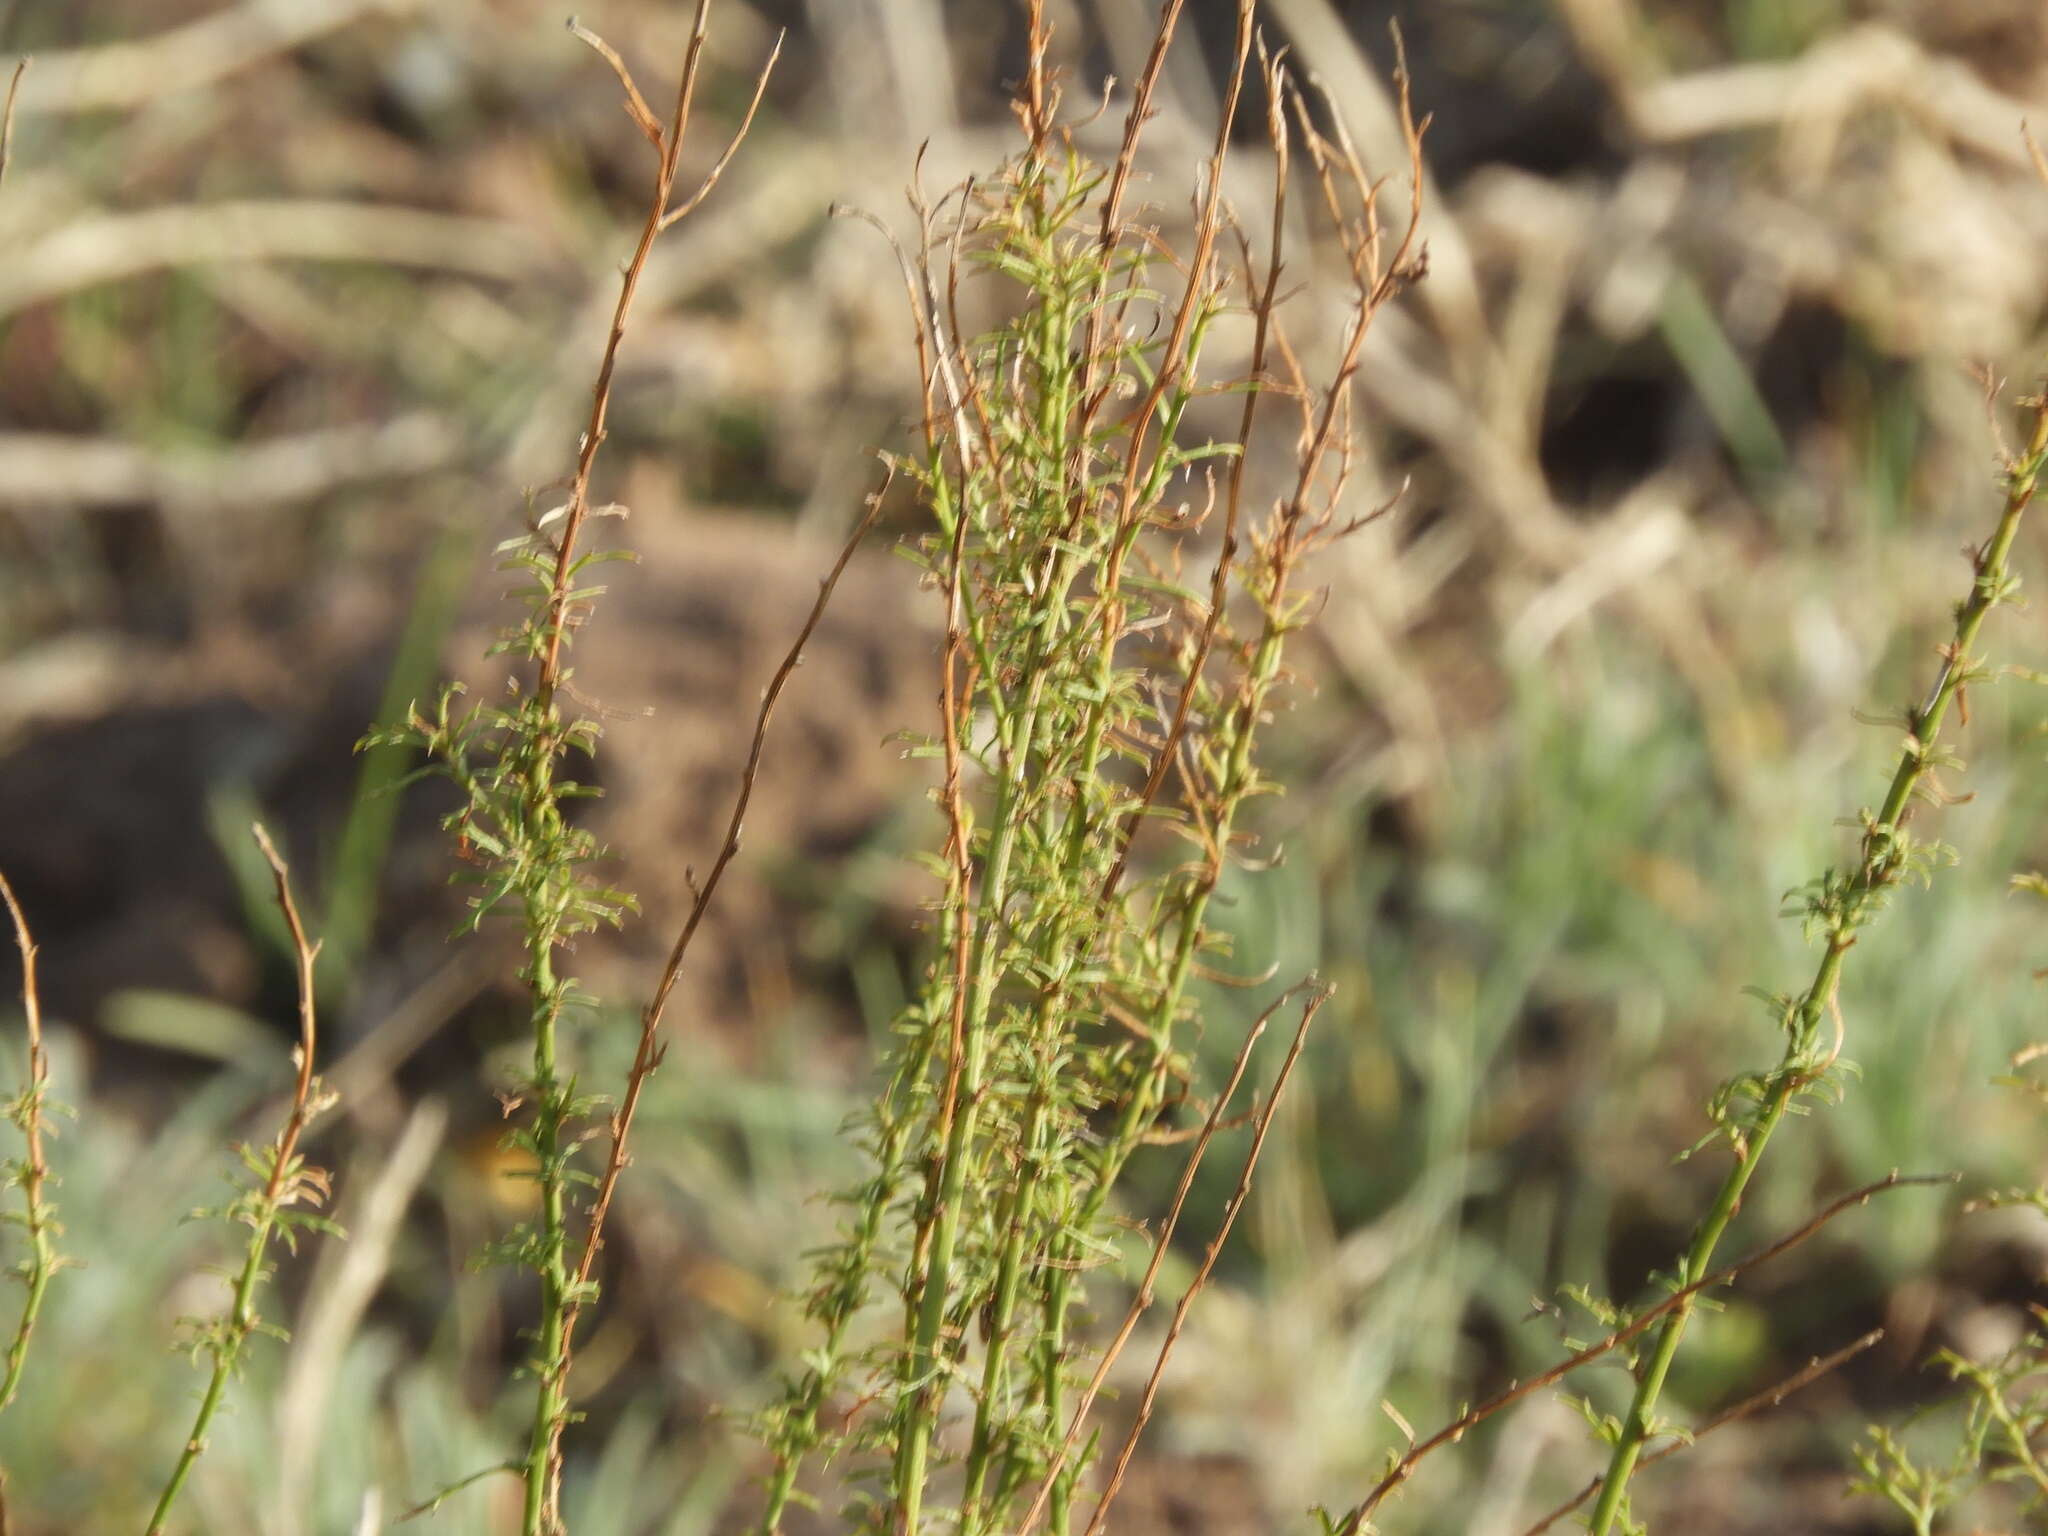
<point x="279" y="1201"/>
<point x="1119" y="621"/>
<point x="527" y="857"/>
<point x="2003" y="1401"/>
<point x="2004" y="1414"/>
<point x="1834" y="908"/>
<point x="1083" y="673"/>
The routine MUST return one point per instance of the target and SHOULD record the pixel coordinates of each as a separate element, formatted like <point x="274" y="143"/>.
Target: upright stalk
<point x="551" y="1398"/>
<point x="1841" y="906"/>
<point x="508" y="762"/>
<point x="38" y="1215"/>
<point x="267" y="1210"/>
<point x="922" y="1379"/>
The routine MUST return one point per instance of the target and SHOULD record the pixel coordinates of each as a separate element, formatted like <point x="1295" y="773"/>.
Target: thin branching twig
<point x="32" y="1173"/>
<point x="1771" y="1397"/>
<point x="270" y="1209"/>
<point x="649" y="1052"/>
<point x="1260" y="1127"/>
<point x="1141" y="1302"/>
<point x="1836" y="908"/>
<point x="1354" y="1523"/>
<point x="510" y="761"/>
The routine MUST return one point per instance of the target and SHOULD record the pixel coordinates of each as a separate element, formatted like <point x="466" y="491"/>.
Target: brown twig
<point x="1142" y="1301"/>
<point x="668" y="147"/>
<point x="304" y="953"/>
<point x="1111" y="229"/>
<point x="1226" y="556"/>
<point x="960" y="847"/>
<point x="689" y="204"/>
<point x="34" y="1175"/>
<point x="287" y="1182"/>
<point x="1231" y="1207"/>
<point x="648" y="1055"/>
<point x="7" y="116"/>
<point x="1041" y="96"/>
<point x="564" y="1293"/>
<point x="1770" y="1397"/>
<point x="1199" y="290"/>
<point x="1462" y="1425"/>
<point x="1377" y="281"/>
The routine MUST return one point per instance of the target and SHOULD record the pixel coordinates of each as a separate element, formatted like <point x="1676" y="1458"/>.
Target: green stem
<point x="932" y="1290"/>
<point x="1011" y="1222"/>
<point x="41" y="1263"/>
<point x="1056" y="952"/>
<point x="836" y="1311"/>
<point x="541" y="1516"/>
<point x="285" y="1183"/>
<point x="1023" y="758"/>
<point x="1880" y="867"/>
<point x="1139" y="1108"/>
<point x="241" y="1322"/>
<point x="1636" y="1427"/>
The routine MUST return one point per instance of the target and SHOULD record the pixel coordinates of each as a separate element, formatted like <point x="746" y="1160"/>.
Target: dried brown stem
<point x="564" y="1292"/>
<point x="636" y="104"/>
<point x="304" y="953"/>
<point x="1261" y="1126"/>
<point x="1040" y="98"/>
<point x="1770" y="1397"/>
<point x="1198" y="290"/>
<point x="34" y="1175"/>
<point x="1111" y="229"/>
<point x="1142" y="1301"/>
<point x="7" y="116"/>
<point x="1263" y="308"/>
<point x="648" y="1054"/>
<point x="1462" y="1425"/>
<point x="669" y="146"/>
<point x="1377" y="282"/>
<point x="689" y="204"/>
<point x="959" y="844"/>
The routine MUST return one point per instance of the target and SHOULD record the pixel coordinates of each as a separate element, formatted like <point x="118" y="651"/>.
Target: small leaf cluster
<point x="2004" y="1416"/>
<point x="282" y="1210"/>
<point x="512" y="830"/>
<point x="2003" y="1401"/>
<point x="527" y="858"/>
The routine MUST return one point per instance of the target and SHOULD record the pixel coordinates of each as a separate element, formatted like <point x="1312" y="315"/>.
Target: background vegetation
<point x="294" y="311"/>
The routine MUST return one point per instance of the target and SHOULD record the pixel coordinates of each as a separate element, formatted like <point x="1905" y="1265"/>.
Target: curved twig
<point x="1458" y="1428"/>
